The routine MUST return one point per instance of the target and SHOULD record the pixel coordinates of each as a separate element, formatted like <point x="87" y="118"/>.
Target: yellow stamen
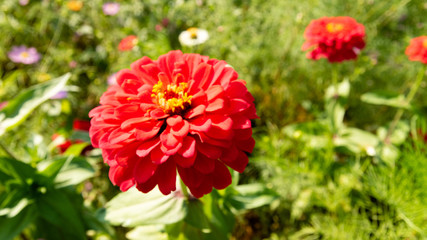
<point x="193" y="32"/>
<point x="334" y="27"/>
<point x="25" y="54"/>
<point x="425" y="43"/>
<point x="172" y="99"/>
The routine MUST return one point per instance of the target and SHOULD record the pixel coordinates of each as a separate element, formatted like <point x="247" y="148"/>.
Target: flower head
<point x="63" y="144"/>
<point x="128" y="43"/>
<point x="60" y="95"/>
<point x="22" y="54"/>
<point x="111" y="8"/>
<point x="3" y="104"/>
<point x="193" y="36"/>
<point x="75" y="5"/>
<point x="23" y="2"/>
<point x="335" y="38"/>
<point x="182" y="113"/>
<point x="417" y="49"/>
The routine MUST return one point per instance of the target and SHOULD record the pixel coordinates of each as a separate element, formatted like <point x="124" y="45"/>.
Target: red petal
<point x="185" y="162"/>
<point x="200" y="124"/>
<point x="213" y="92"/>
<point x="144" y="169"/>
<point x="203" y="75"/>
<point x="223" y="122"/>
<point x="209" y="150"/>
<point x="241" y="122"/>
<point x="246" y="145"/>
<point x="167" y="177"/>
<point x="217" y="104"/>
<point x="204" y="188"/>
<point x="157" y="156"/>
<point x="118" y="135"/>
<point x="146" y="69"/>
<point x="188" y="148"/>
<point x="158" y="114"/>
<point x="204" y="164"/>
<point x="190" y="176"/>
<point x="122" y="177"/>
<point x="239" y="164"/>
<point x="174" y="120"/>
<point x="145" y="148"/>
<point x="148" y="185"/>
<point x="221" y="176"/>
<point x="147" y="130"/>
<point x="238" y="105"/>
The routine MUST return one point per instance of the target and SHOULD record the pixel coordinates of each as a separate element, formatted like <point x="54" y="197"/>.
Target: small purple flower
<point x="60" y="95"/>
<point x="111" y="8"/>
<point x="22" y="54"/>
<point x="112" y="79"/>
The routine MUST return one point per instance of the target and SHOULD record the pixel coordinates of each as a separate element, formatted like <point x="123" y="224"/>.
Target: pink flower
<point x="182" y="113"/>
<point x="22" y="54"/>
<point x="111" y="8"/>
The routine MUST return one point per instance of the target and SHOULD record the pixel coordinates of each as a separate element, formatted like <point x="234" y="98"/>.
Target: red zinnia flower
<point x="128" y="43"/>
<point x="335" y="38"/>
<point x="63" y="144"/>
<point x="182" y="112"/>
<point x="417" y="49"/>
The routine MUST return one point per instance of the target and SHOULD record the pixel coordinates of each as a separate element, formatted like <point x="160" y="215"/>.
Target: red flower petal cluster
<point x="417" y="49"/>
<point x="182" y="113"/>
<point x="64" y="144"/>
<point x="128" y="43"/>
<point x="335" y="38"/>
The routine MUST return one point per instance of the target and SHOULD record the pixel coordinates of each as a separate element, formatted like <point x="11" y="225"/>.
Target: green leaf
<point x="133" y="208"/>
<point x="196" y="216"/>
<point x="57" y="209"/>
<point x="149" y="232"/>
<point x="16" y="168"/>
<point x="250" y="196"/>
<point x="20" y="107"/>
<point x="10" y="227"/>
<point x="74" y="173"/>
<point x="342" y="90"/>
<point x="356" y="140"/>
<point x="385" y="98"/>
<point x="80" y="135"/>
<point x="399" y="134"/>
<point x="67" y="170"/>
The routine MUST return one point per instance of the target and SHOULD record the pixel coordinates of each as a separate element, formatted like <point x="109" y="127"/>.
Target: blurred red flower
<point x="128" y="43"/>
<point x="182" y="112"/>
<point x="335" y="38"/>
<point x="417" y="49"/>
<point x="63" y="144"/>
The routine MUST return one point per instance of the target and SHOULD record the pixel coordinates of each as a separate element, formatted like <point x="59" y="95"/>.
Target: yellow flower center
<point x="75" y="5"/>
<point x="425" y="43"/>
<point x="193" y="32"/>
<point x="173" y="98"/>
<point x="24" y="55"/>
<point x="334" y="27"/>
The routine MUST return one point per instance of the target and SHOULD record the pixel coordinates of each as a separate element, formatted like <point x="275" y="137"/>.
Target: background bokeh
<point x="321" y="192"/>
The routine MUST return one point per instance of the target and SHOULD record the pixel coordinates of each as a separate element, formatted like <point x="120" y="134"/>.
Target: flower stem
<point x="409" y="97"/>
<point x="7" y="151"/>
<point x="184" y="189"/>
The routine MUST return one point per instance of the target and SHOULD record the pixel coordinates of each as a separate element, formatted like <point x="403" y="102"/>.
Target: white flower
<point x="193" y="36"/>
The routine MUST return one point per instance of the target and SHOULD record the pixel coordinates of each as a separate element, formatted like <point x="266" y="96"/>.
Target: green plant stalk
<point x="7" y="151"/>
<point x="409" y="97"/>
<point x="184" y="189"/>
